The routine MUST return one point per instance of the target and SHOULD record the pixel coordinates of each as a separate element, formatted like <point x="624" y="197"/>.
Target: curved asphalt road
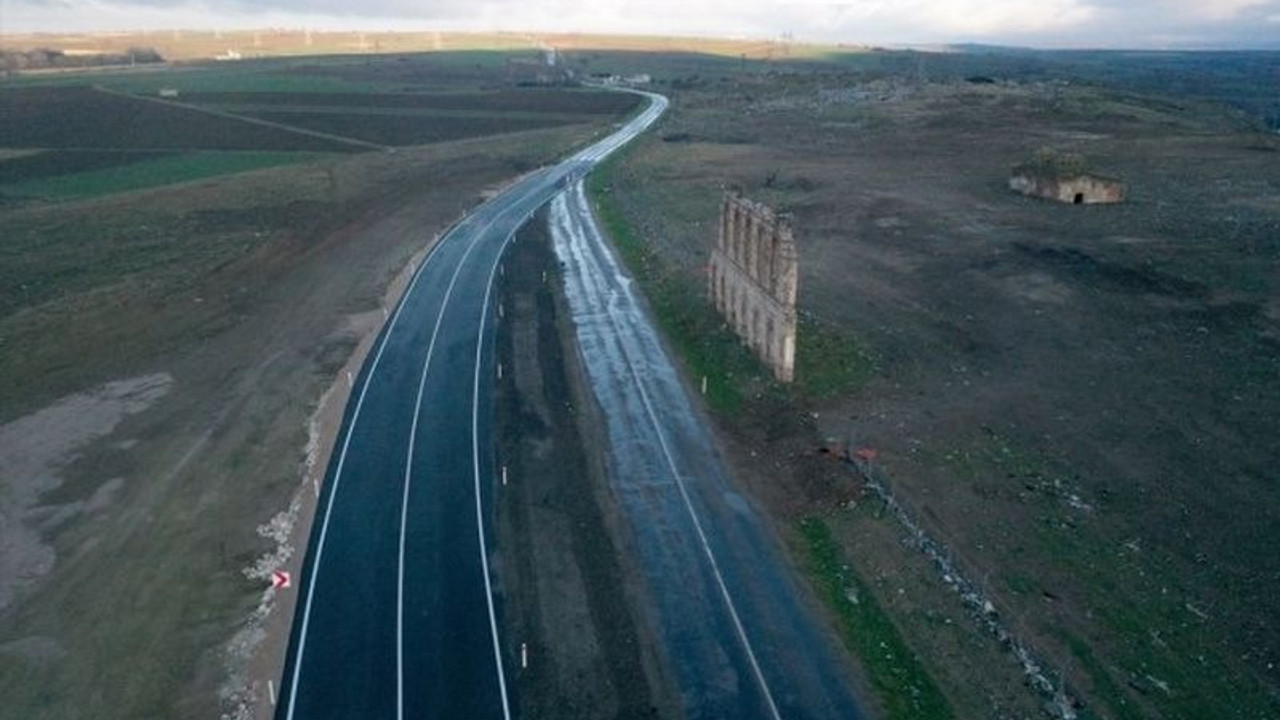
<point x="730" y="619"/>
<point x="397" y="618"/>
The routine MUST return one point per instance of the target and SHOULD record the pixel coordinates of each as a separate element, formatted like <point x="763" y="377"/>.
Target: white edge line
<point x="684" y="494"/>
<point x="475" y="463"/>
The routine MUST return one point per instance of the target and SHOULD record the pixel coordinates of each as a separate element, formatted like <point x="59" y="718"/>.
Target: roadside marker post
<point x="281" y="580"/>
<point x="504" y="476"/>
<point x="524" y="655"/>
<point x="499" y="371"/>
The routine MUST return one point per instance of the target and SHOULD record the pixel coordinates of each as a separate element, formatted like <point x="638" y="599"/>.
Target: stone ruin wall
<point x="753" y="277"/>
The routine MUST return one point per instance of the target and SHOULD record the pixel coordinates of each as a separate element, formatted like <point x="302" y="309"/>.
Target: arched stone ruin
<point x="753" y="278"/>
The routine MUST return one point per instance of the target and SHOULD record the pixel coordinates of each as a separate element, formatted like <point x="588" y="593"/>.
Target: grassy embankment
<point x="828" y="364"/>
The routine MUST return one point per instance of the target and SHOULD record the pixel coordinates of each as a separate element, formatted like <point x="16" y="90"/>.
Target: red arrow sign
<point x="280" y="580"/>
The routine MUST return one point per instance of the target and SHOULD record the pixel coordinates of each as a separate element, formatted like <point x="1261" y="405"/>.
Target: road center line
<point x="337" y="477"/>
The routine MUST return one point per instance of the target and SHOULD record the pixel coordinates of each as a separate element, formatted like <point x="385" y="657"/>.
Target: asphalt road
<point x="733" y="628"/>
<point x="397" y="617"/>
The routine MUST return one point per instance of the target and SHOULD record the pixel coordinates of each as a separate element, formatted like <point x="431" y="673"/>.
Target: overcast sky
<point x="1044" y="23"/>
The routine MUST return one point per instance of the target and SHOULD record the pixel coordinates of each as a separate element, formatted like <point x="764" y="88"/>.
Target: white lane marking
<point x="408" y="468"/>
<point x="408" y="465"/>
<point x="271" y="688"/>
<point x="580" y="197"/>
<point x="337" y="480"/>
<point x="475" y="464"/>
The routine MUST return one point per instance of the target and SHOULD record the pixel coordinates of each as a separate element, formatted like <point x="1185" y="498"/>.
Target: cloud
<point x="1092" y="23"/>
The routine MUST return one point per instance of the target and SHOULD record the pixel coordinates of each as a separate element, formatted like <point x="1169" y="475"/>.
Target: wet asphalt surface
<point x="733" y="628"/>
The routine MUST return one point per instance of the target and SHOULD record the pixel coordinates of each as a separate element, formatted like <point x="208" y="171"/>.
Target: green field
<point x="151" y="173"/>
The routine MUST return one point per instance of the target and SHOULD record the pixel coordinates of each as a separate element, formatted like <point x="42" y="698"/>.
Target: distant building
<point x="641" y="79"/>
<point x="169" y="93"/>
<point x="1077" y="190"/>
<point x="228" y="55"/>
<point x="1064" y="177"/>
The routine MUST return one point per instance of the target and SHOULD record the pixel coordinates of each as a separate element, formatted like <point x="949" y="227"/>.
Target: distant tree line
<point x="43" y="58"/>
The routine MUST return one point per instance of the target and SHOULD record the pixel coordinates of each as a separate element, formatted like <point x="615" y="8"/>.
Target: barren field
<point x="420" y="118"/>
<point x="556" y="101"/>
<point x="165" y="351"/>
<point x="74" y="117"/>
<point x="407" y="129"/>
<point x="1079" y="406"/>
